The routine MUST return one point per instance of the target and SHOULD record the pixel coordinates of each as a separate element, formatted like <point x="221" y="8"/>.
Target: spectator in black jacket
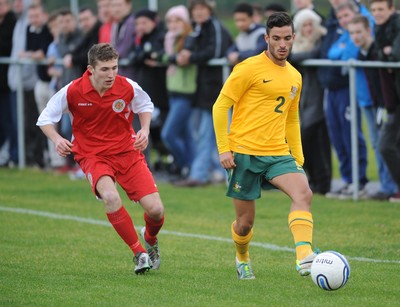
<point x="38" y="38"/>
<point x="150" y="35"/>
<point x="89" y="25"/>
<point x="7" y="23"/>
<point x="387" y="39"/>
<point x="70" y="37"/>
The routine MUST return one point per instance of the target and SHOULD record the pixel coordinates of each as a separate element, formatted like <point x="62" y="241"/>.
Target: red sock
<point x="123" y="225"/>
<point x="152" y="229"/>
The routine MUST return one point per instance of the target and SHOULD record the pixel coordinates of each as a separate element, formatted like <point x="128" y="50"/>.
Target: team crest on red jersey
<point x="118" y="105"/>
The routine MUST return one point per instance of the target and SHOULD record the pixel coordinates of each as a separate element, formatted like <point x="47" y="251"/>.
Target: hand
<point x="227" y="160"/>
<point x="151" y="63"/>
<point x="233" y="57"/>
<point x="67" y="61"/>
<point x="51" y="60"/>
<point x="54" y="72"/>
<point x="183" y="57"/>
<point x="387" y="50"/>
<point x="142" y="140"/>
<point x="63" y="147"/>
<point x="24" y="54"/>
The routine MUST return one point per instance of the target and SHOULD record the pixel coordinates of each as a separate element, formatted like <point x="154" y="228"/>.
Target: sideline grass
<point x="50" y="262"/>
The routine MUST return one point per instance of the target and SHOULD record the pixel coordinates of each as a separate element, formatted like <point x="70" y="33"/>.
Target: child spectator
<point x="250" y="40"/>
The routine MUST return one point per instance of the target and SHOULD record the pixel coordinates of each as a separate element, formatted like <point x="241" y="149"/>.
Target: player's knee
<point x="308" y="195"/>
<point x="156" y="210"/>
<point x="111" y="199"/>
<point x="243" y="227"/>
<point x="304" y="198"/>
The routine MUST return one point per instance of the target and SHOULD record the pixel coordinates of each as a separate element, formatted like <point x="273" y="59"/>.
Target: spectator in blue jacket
<point x="338" y="108"/>
<point x="369" y="97"/>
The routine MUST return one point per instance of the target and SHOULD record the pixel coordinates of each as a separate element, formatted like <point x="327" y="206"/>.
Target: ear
<point x="266" y="37"/>
<point x="90" y="69"/>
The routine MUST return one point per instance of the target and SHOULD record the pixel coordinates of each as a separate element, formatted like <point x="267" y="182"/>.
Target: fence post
<point x="20" y="119"/>
<point x="354" y="130"/>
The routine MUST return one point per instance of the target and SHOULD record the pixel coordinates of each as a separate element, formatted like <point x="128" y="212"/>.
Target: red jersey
<point x="100" y="125"/>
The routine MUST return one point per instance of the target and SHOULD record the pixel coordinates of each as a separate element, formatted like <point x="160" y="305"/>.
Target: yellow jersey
<point x="265" y="120"/>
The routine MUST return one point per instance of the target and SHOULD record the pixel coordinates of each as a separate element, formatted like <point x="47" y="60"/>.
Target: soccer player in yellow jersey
<point x="263" y="146"/>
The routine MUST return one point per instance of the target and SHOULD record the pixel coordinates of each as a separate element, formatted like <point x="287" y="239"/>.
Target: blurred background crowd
<point x="168" y="54"/>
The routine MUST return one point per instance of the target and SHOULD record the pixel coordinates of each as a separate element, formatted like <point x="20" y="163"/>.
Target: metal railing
<point x="350" y="64"/>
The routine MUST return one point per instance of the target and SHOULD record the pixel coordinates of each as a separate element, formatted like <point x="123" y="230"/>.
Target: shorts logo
<point x="237" y="187"/>
<point x="90" y="178"/>
<point x="118" y="105"/>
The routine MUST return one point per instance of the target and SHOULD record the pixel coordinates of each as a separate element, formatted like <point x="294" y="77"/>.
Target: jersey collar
<point x="88" y="87"/>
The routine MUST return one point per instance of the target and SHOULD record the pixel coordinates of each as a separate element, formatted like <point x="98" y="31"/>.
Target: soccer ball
<point x="330" y="270"/>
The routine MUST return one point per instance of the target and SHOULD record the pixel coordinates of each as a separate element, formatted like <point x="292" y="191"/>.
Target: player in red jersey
<point x="101" y="106"/>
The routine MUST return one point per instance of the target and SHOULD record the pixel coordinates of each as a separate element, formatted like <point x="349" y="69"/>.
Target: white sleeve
<point x="55" y="108"/>
<point x="141" y="101"/>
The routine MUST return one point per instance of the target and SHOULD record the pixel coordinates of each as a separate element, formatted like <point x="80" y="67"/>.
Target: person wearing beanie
<point x="314" y="131"/>
<point x="181" y="85"/>
<point x="180" y="12"/>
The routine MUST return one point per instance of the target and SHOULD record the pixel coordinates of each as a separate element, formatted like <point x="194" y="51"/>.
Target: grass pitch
<point x="57" y="249"/>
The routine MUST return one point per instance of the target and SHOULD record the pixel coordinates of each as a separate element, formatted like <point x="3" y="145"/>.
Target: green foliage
<point x="60" y="262"/>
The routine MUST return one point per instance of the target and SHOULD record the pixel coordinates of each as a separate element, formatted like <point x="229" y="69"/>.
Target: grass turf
<point x="47" y="261"/>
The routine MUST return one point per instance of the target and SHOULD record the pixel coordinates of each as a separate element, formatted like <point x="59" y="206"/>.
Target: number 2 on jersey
<point x="282" y="102"/>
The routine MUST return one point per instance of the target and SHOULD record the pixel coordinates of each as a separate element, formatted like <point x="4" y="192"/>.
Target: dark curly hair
<point x="279" y="20"/>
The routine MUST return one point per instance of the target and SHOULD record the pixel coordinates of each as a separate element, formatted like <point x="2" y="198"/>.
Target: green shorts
<point x="254" y="172"/>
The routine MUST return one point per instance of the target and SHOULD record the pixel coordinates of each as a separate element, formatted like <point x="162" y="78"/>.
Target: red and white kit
<point x="103" y="136"/>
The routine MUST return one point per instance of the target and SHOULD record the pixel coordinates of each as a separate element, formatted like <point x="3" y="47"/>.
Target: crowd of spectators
<point x="168" y="56"/>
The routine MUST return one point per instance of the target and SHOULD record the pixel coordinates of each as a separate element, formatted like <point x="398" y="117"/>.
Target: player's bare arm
<point x="63" y="146"/>
<point x="142" y="136"/>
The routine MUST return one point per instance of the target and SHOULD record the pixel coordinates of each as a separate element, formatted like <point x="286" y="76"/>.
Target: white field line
<point x="268" y="246"/>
